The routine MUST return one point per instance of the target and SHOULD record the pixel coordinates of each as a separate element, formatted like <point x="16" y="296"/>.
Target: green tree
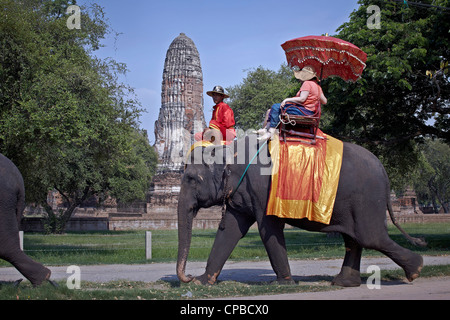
<point x="401" y="99"/>
<point x="396" y="103"/>
<point x="432" y="183"/>
<point x="251" y="99"/>
<point x="66" y="120"/>
<point x="131" y="174"/>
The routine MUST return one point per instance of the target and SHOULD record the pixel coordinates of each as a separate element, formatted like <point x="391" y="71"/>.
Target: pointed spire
<point x="181" y="113"/>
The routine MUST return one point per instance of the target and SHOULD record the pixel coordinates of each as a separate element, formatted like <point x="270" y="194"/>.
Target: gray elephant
<point x="12" y="204"/>
<point x="359" y="214"/>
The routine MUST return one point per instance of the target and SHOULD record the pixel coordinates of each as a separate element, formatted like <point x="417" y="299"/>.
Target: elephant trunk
<point x="185" y="219"/>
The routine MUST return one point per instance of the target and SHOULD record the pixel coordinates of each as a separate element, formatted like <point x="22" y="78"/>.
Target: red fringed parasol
<point x="329" y="56"/>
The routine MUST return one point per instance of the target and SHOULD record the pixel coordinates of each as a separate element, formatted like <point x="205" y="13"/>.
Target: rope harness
<point x="225" y="187"/>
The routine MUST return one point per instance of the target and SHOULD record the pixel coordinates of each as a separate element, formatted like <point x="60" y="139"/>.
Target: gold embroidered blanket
<point x="305" y="178"/>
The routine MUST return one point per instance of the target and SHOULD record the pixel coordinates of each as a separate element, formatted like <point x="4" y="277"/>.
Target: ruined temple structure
<point x="406" y="204"/>
<point x="181" y="114"/>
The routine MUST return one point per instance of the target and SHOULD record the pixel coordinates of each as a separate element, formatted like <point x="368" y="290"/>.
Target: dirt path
<point x="304" y="271"/>
<point x="420" y="289"/>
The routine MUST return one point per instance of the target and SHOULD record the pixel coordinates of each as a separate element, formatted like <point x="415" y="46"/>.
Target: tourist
<point x="304" y="103"/>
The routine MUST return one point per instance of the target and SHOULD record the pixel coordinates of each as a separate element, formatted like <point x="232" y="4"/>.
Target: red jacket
<point x="223" y="120"/>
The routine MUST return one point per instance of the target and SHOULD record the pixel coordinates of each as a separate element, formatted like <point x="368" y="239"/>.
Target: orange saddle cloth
<point x="305" y="178"/>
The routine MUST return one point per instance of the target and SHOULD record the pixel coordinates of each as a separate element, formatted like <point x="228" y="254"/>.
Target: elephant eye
<point x="190" y="179"/>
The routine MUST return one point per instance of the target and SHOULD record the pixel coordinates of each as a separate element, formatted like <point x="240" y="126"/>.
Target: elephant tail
<point x="20" y="206"/>
<point x="419" y="242"/>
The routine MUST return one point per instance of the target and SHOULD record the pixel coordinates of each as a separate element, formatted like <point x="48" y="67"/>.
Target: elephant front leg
<point x="235" y="228"/>
<point x="350" y="272"/>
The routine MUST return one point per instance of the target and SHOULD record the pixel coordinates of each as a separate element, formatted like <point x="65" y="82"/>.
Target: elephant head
<point x="201" y="187"/>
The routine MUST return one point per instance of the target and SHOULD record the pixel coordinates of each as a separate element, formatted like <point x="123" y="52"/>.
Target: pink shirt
<point x="315" y="91"/>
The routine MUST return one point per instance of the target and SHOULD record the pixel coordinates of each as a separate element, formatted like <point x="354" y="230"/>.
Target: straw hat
<point x="307" y="73"/>
<point x="219" y="90"/>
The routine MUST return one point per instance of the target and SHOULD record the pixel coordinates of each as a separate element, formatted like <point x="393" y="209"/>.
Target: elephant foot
<point x="46" y="277"/>
<point x="206" y="279"/>
<point x="348" y="277"/>
<point x="414" y="268"/>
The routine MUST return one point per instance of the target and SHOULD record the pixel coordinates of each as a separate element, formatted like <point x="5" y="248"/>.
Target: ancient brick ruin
<point x="181" y="114"/>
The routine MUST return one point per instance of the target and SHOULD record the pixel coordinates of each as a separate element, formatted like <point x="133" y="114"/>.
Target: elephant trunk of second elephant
<point x="186" y="213"/>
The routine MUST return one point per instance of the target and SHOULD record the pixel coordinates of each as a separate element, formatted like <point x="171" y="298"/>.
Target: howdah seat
<point x="299" y="127"/>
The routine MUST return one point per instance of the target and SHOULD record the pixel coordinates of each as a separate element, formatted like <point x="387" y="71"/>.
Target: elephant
<point x="12" y="205"/>
<point x="359" y="213"/>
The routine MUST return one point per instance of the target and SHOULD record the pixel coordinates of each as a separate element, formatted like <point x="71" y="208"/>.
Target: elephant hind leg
<point x="35" y="272"/>
<point x="350" y="272"/>
<point x="409" y="261"/>
<point x="10" y="251"/>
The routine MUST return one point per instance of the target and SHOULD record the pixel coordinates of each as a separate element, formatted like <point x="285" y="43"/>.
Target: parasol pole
<point x="321" y="71"/>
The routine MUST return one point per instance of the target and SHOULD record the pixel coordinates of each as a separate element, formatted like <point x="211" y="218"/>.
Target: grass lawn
<point x="128" y="247"/>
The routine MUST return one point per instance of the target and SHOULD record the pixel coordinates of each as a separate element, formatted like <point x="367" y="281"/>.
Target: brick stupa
<point x="181" y="114"/>
<point x="180" y="117"/>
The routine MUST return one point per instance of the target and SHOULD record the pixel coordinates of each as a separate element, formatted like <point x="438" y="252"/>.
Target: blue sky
<point x="231" y="36"/>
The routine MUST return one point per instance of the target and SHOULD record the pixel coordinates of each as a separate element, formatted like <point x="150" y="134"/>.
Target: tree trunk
<point x="56" y="222"/>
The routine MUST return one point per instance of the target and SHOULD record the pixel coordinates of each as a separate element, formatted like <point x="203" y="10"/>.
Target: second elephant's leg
<point x="10" y="251"/>
<point x="35" y="272"/>
<point x="235" y="227"/>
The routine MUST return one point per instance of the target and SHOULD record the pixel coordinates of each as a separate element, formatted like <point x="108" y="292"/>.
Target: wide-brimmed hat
<point x="219" y="90"/>
<point x="307" y="73"/>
